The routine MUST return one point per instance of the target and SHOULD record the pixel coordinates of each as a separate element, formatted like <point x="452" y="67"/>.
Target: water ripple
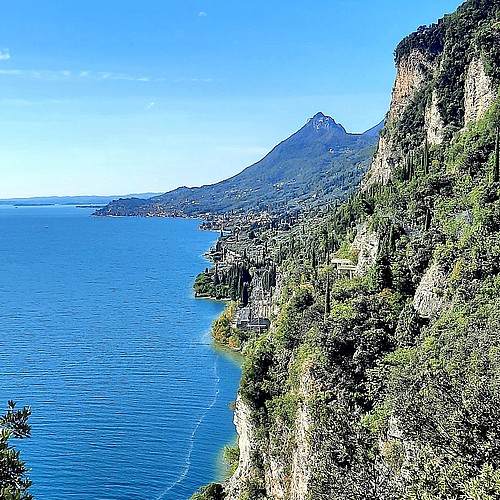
<point x="100" y="335"/>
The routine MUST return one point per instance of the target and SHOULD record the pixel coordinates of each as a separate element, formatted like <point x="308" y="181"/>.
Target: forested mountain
<point x="319" y="163"/>
<point x="385" y="383"/>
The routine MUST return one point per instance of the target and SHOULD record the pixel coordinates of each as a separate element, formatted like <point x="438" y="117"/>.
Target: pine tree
<point x="13" y="481"/>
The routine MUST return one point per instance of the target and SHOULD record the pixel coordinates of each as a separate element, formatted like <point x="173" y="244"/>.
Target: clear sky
<point x="115" y="97"/>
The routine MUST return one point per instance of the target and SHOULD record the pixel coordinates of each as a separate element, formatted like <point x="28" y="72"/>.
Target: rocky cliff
<point x="383" y="383"/>
<point x="429" y="67"/>
<point x="413" y="71"/>
<point x="479" y="90"/>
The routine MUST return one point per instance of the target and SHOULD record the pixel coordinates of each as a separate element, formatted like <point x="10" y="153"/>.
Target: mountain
<point x="319" y="163"/>
<point x="69" y="200"/>
<point x="379" y="377"/>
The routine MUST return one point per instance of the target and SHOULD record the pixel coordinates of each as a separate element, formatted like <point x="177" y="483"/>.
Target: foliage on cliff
<point x="225" y="333"/>
<point x="212" y="491"/>
<point x="401" y="399"/>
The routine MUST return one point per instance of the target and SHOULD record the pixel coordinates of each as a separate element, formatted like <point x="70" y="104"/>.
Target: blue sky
<point x="115" y="97"/>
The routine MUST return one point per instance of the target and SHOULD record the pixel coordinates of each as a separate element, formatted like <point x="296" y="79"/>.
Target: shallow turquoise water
<point x="101" y="336"/>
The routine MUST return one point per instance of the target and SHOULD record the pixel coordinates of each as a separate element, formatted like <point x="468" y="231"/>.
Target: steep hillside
<point x="385" y="384"/>
<point x="319" y="163"/>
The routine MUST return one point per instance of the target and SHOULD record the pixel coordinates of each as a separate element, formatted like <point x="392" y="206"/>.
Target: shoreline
<point x="245" y="274"/>
<point x="223" y="471"/>
<point x="222" y="467"/>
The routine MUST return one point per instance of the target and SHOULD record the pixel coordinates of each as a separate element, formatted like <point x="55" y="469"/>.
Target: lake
<point x="101" y="335"/>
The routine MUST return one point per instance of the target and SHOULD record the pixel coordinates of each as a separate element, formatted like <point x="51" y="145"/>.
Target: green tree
<point x="14" y="484"/>
<point x="213" y="491"/>
<point x="496" y="166"/>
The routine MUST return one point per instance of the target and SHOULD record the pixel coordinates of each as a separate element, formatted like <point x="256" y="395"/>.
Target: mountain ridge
<point x="378" y="376"/>
<point x="294" y="172"/>
<point x="70" y="200"/>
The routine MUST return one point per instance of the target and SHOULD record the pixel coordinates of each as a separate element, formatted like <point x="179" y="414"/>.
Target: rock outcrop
<point x="429" y="297"/>
<point x="301" y="461"/>
<point x="434" y="123"/>
<point x="246" y="443"/>
<point x="286" y="475"/>
<point x="413" y="70"/>
<point x="289" y="478"/>
<point x="479" y="91"/>
<point x="415" y="85"/>
<point x="366" y="243"/>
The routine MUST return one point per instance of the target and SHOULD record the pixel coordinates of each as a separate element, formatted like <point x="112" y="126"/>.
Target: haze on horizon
<point x="121" y="97"/>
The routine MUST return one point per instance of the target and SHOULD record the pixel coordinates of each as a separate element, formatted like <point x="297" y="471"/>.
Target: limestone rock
<point x="434" y="122"/>
<point x="479" y="93"/>
<point x="412" y="72"/>
<point x="366" y="243"/>
<point x="429" y="299"/>
<point x="246" y="443"/>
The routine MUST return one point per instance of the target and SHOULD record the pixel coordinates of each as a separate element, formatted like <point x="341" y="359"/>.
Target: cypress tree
<point x="391" y="239"/>
<point x="327" y="297"/>
<point x="314" y="261"/>
<point x="427" y="222"/>
<point x="425" y="158"/>
<point x="244" y="294"/>
<point x="496" y="167"/>
<point x="411" y="167"/>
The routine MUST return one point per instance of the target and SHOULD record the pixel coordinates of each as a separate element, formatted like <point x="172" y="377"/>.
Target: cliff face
<point x="434" y="122"/>
<point x="282" y="475"/>
<point x="429" y="297"/>
<point x="479" y="91"/>
<point x="384" y="385"/>
<point x="366" y="244"/>
<point x="247" y="443"/>
<point x="413" y="72"/>
<point x="417" y="111"/>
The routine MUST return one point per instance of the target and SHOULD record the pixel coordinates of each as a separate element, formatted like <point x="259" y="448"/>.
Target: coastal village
<point x="249" y="241"/>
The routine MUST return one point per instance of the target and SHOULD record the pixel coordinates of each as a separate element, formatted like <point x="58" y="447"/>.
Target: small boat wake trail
<point x="187" y="460"/>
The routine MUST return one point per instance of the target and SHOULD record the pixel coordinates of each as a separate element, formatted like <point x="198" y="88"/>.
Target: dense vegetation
<point x="389" y="383"/>
<point x="401" y="396"/>
<point x="229" y="282"/>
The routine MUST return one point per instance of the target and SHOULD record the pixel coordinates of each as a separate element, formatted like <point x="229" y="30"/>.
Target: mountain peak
<point x="320" y="121"/>
<point x="319" y="163"/>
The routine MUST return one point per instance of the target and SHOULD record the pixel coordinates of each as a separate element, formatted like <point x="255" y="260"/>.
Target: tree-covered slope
<point x="319" y="163"/>
<point x="386" y="384"/>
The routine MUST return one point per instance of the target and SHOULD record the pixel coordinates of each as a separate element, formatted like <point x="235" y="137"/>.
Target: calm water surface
<point x="101" y="336"/>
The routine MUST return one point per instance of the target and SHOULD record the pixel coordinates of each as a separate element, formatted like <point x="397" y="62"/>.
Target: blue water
<point x="101" y="336"/>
